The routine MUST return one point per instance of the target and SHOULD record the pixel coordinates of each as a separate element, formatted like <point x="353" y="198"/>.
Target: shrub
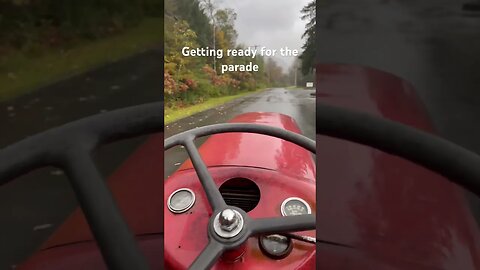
<point x="169" y="84"/>
<point x="55" y="22"/>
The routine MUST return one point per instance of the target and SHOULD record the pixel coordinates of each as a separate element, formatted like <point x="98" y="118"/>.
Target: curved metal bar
<point x="68" y="147"/>
<point x="456" y="163"/>
<point x="48" y="148"/>
<point x="114" y="238"/>
<point x="283" y="224"/>
<point x="213" y="194"/>
<point x="208" y="256"/>
<point x="292" y="137"/>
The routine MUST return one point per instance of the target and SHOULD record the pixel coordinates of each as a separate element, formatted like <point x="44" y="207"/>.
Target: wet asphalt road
<point x="298" y="104"/>
<point x="433" y="44"/>
<point x="35" y="204"/>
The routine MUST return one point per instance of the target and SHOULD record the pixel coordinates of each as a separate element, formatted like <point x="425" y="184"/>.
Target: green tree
<point x="194" y="14"/>
<point x="55" y="23"/>
<point x="274" y="73"/>
<point x="296" y="76"/>
<point x="308" y="54"/>
<point x="225" y="33"/>
<point x="225" y="20"/>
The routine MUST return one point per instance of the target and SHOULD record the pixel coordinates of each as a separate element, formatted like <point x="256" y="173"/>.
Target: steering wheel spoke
<point x="213" y="194"/>
<point x="283" y="224"/>
<point x="102" y="213"/>
<point x="208" y="256"/>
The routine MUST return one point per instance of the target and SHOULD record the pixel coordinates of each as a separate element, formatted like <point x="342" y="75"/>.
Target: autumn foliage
<point x="189" y="80"/>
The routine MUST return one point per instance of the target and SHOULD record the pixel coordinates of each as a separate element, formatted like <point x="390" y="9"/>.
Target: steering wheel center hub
<point x="228" y="223"/>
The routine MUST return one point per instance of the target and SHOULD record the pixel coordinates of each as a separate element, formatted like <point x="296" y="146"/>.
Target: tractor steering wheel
<point x="69" y="147"/>
<point x="229" y="226"/>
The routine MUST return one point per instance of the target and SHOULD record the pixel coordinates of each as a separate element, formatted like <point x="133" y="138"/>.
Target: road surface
<point x="433" y="44"/>
<point x="298" y="104"/>
<point x="35" y="204"/>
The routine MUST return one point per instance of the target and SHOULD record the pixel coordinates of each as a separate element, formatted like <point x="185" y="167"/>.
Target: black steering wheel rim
<point x="217" y="244"/>
<point x="69" y="147"/>
<point x="459" y="165"/>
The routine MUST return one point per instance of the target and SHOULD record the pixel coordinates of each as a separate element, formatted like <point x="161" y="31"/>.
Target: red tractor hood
<point x="279" y="169"/>
<point x="259" y="151"/>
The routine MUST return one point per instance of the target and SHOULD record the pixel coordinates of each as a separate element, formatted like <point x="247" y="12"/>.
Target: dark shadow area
<point x="61" y="62"/>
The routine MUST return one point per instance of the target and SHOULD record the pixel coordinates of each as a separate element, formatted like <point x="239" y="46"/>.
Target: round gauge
<point x="275" y="246"/>
<point x="295" y="206"/>
<point x="181" y="200"/>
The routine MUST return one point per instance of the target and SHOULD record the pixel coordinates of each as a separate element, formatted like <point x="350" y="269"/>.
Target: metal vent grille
<point x="240" y="192"/>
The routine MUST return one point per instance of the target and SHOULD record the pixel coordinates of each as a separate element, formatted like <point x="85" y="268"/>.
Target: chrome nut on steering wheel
<point x="228" y="223"/>
<point x="228" y="220"/>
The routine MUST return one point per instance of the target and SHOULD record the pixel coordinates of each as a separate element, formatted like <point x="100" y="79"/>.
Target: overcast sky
<point x="270" y="23"/>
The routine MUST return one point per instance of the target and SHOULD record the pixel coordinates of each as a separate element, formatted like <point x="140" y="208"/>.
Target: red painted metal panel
<point x="186" y="234"/>
<point x="86" y="255"/>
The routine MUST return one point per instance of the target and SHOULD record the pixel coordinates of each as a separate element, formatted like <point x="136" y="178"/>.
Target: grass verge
<point x="20" y="74"/>
<point x="174" y="114"/>
<point x="294" y="88"/>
